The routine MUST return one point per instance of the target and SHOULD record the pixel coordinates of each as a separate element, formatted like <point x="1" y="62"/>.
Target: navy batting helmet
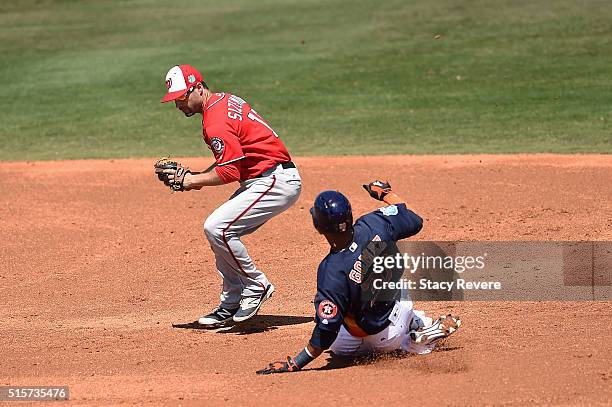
<point x="331" y="213"/>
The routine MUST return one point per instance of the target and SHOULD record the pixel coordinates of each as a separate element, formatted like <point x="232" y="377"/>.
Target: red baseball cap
<point x="178" y="81"/>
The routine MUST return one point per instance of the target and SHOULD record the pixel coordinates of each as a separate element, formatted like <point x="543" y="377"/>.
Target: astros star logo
<point x="327" y="309"/>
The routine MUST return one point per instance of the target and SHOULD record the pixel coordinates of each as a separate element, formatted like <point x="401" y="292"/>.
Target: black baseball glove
<point x="171" y="173"/>
<point x="280" y="367"/>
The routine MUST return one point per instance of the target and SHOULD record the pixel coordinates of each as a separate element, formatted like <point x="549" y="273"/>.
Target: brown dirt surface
<point x="99" y="260"/>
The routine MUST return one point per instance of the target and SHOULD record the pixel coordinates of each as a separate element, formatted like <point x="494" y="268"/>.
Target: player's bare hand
<point x="170" y="173"/>
<point x="378" y="189"/>
<point x="188" y="182"/>
<point x="280" y="367"/>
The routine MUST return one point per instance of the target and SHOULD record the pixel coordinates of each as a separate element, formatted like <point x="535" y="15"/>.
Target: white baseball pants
<point x="394" y="337"/>
<point x="253" y="204"/>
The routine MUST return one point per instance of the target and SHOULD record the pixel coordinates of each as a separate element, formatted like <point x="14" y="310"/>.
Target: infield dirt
<point x="99" y="260"/>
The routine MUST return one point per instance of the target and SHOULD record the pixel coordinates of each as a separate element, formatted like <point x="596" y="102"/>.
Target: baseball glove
<point x="378" y="189"/>
<point x="280" y="367"/>
<point x="171" y="173"/>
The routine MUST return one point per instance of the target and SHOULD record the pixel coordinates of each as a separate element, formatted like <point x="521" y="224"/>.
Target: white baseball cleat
<point x="249" y="305"/>
<point x="441" y="328"/>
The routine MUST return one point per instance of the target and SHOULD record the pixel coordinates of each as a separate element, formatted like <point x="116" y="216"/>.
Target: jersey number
<point x="255" y="117"/>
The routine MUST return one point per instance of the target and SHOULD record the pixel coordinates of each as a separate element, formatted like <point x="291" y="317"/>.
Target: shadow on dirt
<point x="338" y="362"/>
<point x="257" y="324"/>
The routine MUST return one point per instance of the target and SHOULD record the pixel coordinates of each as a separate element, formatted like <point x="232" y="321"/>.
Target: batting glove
<point x="378" y="189"/>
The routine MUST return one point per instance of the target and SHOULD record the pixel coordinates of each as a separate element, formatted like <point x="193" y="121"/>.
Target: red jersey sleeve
<point x="229" y="173"/>
<point x="224" y="142"/>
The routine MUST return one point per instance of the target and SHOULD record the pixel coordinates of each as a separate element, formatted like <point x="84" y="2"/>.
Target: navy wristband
<point x="303" y="358"/>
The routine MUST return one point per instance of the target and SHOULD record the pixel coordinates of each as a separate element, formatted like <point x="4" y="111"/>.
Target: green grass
<point x="83" y="79"/>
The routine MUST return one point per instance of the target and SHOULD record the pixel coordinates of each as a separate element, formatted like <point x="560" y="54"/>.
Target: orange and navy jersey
<point x="344" y="297"/>
<point x="243" y="144"/>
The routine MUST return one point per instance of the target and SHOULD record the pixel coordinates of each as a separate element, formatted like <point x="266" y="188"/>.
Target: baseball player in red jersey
<point x="247" y="150"/>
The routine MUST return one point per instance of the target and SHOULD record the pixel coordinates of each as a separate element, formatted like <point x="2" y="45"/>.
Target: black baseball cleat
<point x="249" y="305"/>
<point x="218" y="317"/>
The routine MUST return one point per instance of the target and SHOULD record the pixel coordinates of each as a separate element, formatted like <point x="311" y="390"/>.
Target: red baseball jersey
<point x="244" y="145"/>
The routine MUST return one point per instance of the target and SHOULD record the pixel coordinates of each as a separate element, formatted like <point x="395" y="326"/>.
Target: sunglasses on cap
<point x="186" y="95"/>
